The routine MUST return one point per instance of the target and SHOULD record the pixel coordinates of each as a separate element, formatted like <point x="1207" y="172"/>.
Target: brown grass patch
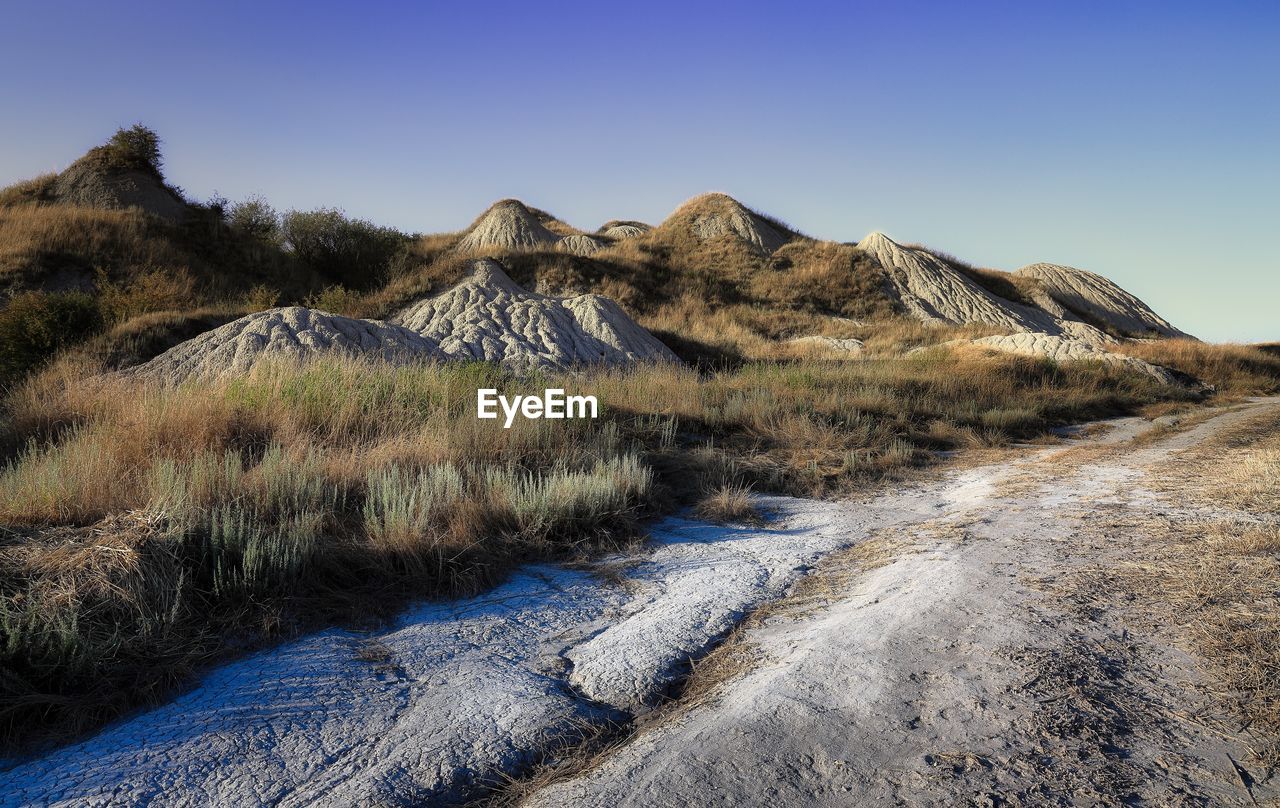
<point x="1234" y="370"/>
<point x="1217" y="581"/>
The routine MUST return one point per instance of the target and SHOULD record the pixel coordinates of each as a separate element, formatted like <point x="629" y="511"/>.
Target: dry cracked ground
<point x="957" y="641"/>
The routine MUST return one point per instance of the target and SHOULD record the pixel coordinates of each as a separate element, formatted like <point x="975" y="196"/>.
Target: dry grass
<point x="29" y="234"/>
<point x="46" y="246"/>
<point x="822" y="277"/>
<point x="1218" y="580"/>
<point x="28" y="192"/>
<point x="1233" y="581"/>
<point x="1234" y="370"/>
<point x="729" y="504"/>
<point x="1219" y="592"/>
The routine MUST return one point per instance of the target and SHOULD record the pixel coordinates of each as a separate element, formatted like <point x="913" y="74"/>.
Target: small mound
<point x="292" y="333"/>
<point x="1065" y="350"/>
<point x="620" y="229"/>
<point x="490" y="317"/>
<point x="713" y="215"/>
<point x="579" y="244"/>
<point x="932" y="291"/>
<point x="88" y="184"/>
<point x="1099" y="298"/>
<point x="507" y="225"/>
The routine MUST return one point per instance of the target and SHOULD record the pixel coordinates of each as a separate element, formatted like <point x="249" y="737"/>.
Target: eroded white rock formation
<point x="290" y="333"/>
<point x="581" y="244"/>
<point x="489" y="316"/>
<point x="712" y="215"/>
<point x="621" y="230"/>
<point x="507" y="225"/>
<point x="1065" y="350"/>
<point x="1099" y="298"/>
<point x="931" y="290"/>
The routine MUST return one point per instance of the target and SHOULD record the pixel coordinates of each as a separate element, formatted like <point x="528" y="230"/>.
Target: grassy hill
<point x="106" y="250"/>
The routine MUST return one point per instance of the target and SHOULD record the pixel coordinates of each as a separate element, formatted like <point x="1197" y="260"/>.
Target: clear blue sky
<point x="1138" y="140"/>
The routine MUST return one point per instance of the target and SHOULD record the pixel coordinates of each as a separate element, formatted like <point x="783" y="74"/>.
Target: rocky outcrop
<point x="292" y="333"/>
<point x="624" y="229"/>
<point x="486" y="317"/>
<point x="1099" y="299"/>
<point x="1066" y="350"/>
<point x="88" y="184"/>
<point x="489" y="316"/>
<point x="715" y="215"/>
<point x="580" y="244"/>
<point x="931" y="290"/>
<point x="507" y="225"/>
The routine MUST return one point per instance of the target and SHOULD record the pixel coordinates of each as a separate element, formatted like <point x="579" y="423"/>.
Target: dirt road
<point x="971" y="668"/>
<point x="930" y="645"/>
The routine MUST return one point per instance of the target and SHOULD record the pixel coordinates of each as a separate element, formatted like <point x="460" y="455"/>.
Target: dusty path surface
<point x="962" y="673"/>
<point x="958" y="670"/>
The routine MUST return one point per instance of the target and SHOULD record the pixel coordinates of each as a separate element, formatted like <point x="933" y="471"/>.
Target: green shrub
<point x="352" y="252"/>
<point x="261" y="297"/>
<point x="335" y="299"/>
<point x="134" y="148"/>
<point x="564" y="506"/>
<point x="404" y="509"/>
<point x="255" y="218"/>
<point x="35" y="326"/>
<point x="143" y="293"/>
<point x="254" y="529"/>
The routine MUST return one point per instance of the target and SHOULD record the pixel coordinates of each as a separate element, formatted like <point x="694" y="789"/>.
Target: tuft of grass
<point x="406" y="511"/>
<point x="729" y="504"/>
